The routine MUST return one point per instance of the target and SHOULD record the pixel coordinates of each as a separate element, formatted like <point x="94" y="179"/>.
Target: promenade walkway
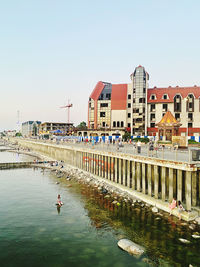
<point x="167" y="152"/>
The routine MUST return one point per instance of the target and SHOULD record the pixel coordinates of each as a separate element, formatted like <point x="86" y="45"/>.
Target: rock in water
<point x="197" y="220"/>
<point x="154" y="209"/>
<point x="196" y="236"/>
<point x="130" y="247"/>
<point x="185" y="241"/>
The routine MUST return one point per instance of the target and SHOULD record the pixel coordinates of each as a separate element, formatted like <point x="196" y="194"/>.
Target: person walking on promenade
<point x="139" y="147"/>
<point x="172" y="205"/>
<point x="151" y="147"/>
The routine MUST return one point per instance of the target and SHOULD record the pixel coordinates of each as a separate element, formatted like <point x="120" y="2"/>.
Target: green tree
<point x="82" y="125"/>
<point x="126" y="136"/>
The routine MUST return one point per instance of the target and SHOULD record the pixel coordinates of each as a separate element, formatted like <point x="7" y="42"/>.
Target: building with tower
<point x="134" y="107"/>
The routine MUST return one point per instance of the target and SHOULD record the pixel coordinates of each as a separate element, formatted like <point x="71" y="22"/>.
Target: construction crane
<point x="68" y="106"/>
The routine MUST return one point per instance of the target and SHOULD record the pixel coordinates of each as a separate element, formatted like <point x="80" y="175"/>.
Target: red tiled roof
<point x="171" y="92"/>
<point x="97" y="91"/>
<point x="119" y="96"/>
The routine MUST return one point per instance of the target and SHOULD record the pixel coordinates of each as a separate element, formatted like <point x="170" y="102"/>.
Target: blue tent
<point x="57" y="131"/>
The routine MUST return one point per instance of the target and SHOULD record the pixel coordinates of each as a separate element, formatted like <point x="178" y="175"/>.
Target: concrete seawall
<point x="152" y="180"/>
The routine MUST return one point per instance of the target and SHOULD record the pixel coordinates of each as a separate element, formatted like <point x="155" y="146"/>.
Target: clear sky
<point x="52" y="51"/>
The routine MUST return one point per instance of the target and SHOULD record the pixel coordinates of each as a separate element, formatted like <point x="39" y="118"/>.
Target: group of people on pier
<point x="174" y="204"/>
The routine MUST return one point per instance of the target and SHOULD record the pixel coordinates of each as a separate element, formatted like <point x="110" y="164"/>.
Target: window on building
<point x="152" y="124"/>
<point x="103" y="105"/>
<point x="129" y="115"/>
<point x="122" y="124"/>
<point x="152" y="116"/>
<point x="108" y="96"/>
<point x="89" y="105"/>
<point x="177" y="116"/>
<point x="190" y="103"/>
<point x="133" y="100"/>
<point x="190" y="125"/>
<point x="190" y="116"/>
<point x="101" y="97"/>
<point x="118" y="124"/>
<point x="153" y="97"/>
<point x="129" y="105"/>
<point x="102" y="114"/>
<point x="144" y="90"/>
<point x="142" y="100"/>
<point x="129" y="125"/>
<point x="165" y="96"/>
<point x="153" y="107"/>
<point x="114" y="123"/>
<point x="103" y="124"/>
<point x="129" y="96"/>
<point x="177" y="103"/>
<point x="165" y="107"/>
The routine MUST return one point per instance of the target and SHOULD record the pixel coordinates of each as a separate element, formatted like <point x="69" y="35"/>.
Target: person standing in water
<point x="59" y="202"/>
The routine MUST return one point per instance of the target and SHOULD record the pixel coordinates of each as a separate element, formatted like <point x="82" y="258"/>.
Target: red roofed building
<point x="134" y="106"/>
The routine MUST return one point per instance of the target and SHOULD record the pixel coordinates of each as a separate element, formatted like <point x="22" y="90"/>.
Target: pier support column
<point x="163" y="179"/>
<point x="128" y="174"/>
<point x="171" y="176"/>
<point x="194" y="188"/>
<point x="116" y="179"/>
<point x="112" y="169"/>
<point x="100" y="165"/>
<point x="109" y="168"/>
<point x="143" y="179"/>
<point x="133" y="174"/>
<point x="188" y="181"/>
<point x="120" y="171"/>
<point x="149" y="176"/>
<point x="124" y="172"/>
<point x="179" y="185"/>
<point x="156" y="181"/>
<point x="95" y="165"/>
<point x="138" y="176"/>
<point x="106" y="167"/>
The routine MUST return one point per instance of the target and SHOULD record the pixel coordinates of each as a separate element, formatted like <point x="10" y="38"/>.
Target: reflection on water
<point x="85" y="231"/>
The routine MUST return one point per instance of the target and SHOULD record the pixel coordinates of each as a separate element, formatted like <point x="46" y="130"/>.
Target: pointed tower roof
<point x="168" y="120"/>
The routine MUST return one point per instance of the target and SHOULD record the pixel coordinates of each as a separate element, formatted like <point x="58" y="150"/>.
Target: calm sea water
<point x="85" y="231"/>
<point x="14" y="157"/>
